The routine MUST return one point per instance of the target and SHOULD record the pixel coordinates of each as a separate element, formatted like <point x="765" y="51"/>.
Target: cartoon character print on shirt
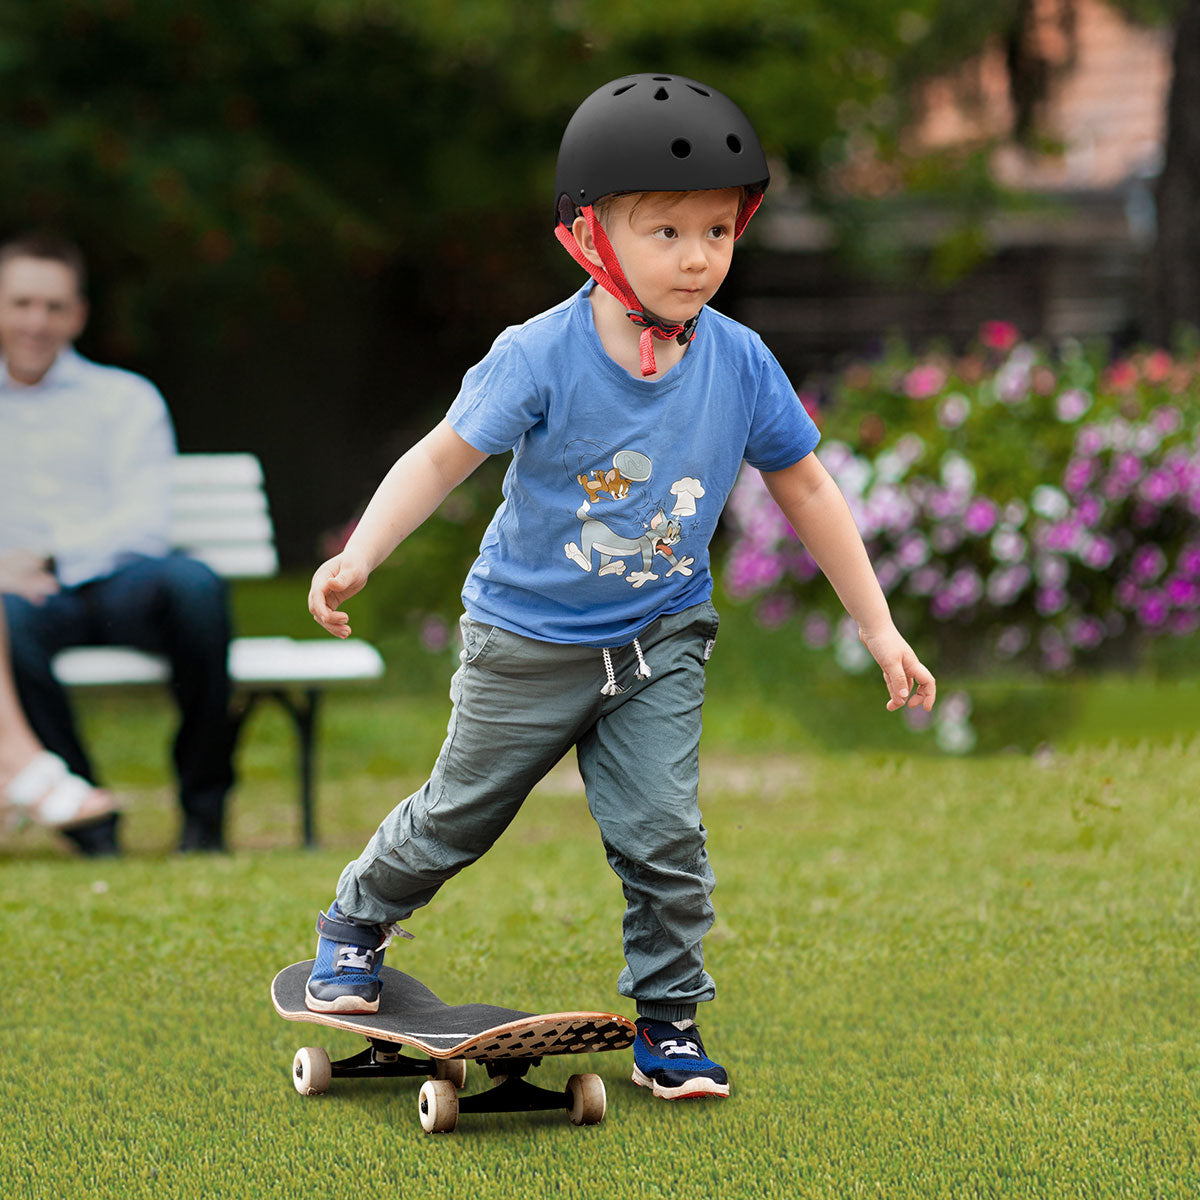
<point x="649" y="533"/>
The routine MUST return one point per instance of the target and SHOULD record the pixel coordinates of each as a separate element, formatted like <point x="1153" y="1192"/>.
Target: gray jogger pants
<point x="519" y="706"/>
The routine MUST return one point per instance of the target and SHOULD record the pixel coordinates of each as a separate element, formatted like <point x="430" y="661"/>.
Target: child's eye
<point x="667" y="231"/>
<point x="719" y="231"/>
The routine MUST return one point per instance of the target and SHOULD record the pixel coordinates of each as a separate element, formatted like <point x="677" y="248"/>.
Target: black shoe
<point x="201" y="837"/>
<point x="96" y="840"/>
<point x="673" y="1064"/>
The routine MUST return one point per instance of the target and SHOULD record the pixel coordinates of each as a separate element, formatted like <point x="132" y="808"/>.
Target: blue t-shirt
<point x="616" y="484"/>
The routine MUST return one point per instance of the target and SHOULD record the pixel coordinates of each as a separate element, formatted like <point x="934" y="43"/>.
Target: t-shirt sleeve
<point x="498" y="400"/>
<point x="781" y="431"/>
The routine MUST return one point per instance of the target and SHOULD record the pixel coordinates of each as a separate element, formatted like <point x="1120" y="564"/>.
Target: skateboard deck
<point x="507" y="1041"/>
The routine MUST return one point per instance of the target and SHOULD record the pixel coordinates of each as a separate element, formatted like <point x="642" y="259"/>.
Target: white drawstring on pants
<point x="611" y="686"/>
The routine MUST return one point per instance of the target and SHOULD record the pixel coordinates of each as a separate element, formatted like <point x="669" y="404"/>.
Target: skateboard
<point x="506" y="1041"/>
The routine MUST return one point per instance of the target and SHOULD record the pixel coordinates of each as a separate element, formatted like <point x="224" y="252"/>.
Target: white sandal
<point x="46" y="793"/>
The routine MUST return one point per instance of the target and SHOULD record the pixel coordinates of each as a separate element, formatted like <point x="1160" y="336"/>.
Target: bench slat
<point x="253" y="662"/>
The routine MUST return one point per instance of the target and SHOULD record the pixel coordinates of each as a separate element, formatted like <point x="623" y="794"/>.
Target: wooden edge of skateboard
<point x="468" y="1047"/>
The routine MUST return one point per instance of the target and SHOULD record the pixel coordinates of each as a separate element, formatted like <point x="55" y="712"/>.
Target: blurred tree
<point x="1175" y="271"/>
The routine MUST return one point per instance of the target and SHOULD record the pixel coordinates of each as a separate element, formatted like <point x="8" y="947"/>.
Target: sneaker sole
<point x="698" y="1089"/>
<point x="343" y="1004"/>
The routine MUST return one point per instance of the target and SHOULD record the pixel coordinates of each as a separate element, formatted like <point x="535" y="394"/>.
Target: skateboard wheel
<point x="454" y="1070"/>
<point x="438" y="1105"/>
<point x="310" y="1071"/>
<point x="588" y="1101"/>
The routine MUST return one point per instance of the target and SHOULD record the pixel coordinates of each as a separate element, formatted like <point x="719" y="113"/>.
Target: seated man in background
<point x="85" y="477"/>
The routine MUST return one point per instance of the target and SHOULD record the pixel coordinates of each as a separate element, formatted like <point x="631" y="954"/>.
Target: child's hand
<point x="901" y="669"/>
<point x="333" y="584"/>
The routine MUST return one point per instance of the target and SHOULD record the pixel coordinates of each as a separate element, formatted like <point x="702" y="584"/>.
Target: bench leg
<point x="303" y="710"/>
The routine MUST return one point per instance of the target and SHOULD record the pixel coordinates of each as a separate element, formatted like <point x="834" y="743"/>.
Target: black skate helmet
<point x="651" y="133"/>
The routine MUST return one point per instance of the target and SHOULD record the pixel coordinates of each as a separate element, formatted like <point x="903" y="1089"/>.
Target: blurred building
<point x="1063" y="255"/>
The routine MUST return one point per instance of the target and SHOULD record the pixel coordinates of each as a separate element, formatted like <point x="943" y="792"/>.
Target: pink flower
<point x="924" y="381"/>
<point x="1072" y="404"/>
<point x="1122" y="376"/>
<point x="435" y="636"/>
<point x="1158" y="366"/>
<point x="999" y="335"/>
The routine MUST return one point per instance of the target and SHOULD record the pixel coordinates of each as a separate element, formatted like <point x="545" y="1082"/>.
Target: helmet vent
<point x="699" y="90"/>
<point x="681" y="147"/>
<point x="662" y="79"/>
<point x="622" y="90"/>
<point x="734" y="143"/>
<point x="662" y="94"/>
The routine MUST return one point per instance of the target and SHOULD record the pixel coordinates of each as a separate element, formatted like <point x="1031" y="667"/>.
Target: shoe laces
<point x="362" y="958"/>
<point x="680" y="1044"/>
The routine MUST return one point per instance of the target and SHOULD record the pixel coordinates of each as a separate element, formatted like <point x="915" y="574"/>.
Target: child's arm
<point x="419" y="481"/>
<point x="817" y="511"/>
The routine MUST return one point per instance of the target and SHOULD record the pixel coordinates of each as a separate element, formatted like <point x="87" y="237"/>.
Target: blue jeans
<point x="519" y="706"/>
<point x="174" y="606"/>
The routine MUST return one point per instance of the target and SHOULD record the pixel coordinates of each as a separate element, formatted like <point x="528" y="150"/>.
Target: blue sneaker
<point x="345" y="976"/>
<point x="671" y="1061"/>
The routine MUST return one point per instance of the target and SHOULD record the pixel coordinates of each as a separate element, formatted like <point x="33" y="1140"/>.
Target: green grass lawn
<point x="937" y="977"/>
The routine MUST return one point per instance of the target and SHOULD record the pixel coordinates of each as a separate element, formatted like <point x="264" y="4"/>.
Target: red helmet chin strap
<point x="610" y="277"/>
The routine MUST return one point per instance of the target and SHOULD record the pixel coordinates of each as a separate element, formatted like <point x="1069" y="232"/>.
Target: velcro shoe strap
<point x="369" y="936"/>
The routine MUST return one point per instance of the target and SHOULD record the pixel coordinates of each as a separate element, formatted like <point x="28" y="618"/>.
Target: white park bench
<point x="220" y="515"/>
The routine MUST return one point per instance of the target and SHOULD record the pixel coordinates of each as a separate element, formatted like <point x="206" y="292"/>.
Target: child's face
<point x="674" y="247"/>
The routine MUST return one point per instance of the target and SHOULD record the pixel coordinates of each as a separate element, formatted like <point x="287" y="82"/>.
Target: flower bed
<point x="1017" y="506"/>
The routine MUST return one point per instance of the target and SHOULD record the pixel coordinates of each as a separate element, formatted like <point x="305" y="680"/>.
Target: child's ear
<point x="583" y="235"/>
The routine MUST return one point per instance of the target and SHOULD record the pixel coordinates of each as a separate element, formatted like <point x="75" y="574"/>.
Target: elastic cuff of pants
<point x="667" y="1012"/>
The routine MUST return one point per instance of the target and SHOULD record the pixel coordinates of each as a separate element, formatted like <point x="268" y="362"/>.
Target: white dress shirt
<point x="85" y="467"/>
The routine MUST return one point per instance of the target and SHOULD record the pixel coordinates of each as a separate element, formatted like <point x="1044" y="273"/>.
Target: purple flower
<point x="1098" y="553"/>
<point x="1008" y="546"/>
<point x="1090" y="509"/>
<point x="981" y="517"/>
<point x="1050" y="600"/>
<point x="923" y="581"/>
<point x="1062" y="535"/>
<point x="1189" y="561"/>
<point x="1078" y="474"/>
<point x="953" y="411"/>
<point x="1158" y="487"/>
<point x="1090" y="440"/>
<point x="1183" y="624"/>
<point x="1148" y="564"/>
<point x="1166" y="420"/>
<point x="1086" y="633"/>
<point x="774" y="611"/>
<point x="1127" y="593"/>
<point x="1125" y="473"/>
<point x="913" y="551"/>
<point x="750" y="570"/>
<point x="817" y="630"/>
<point x="1056" y="654"/>
<point x="435" y="636"/>
<point x="1153" y="610"/>
<point x="1012" y="640"/>
<point x="1005" y="584"/>
<point x="1183" y="593"/>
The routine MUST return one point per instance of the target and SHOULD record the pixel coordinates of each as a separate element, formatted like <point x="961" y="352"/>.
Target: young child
<point x="588" y="615"/>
